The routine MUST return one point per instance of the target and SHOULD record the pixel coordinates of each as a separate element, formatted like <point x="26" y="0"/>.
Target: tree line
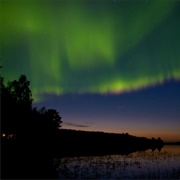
<point x="17" y="115"/>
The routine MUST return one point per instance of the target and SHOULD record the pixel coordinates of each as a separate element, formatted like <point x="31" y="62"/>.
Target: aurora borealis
<point x="95" y="47"/>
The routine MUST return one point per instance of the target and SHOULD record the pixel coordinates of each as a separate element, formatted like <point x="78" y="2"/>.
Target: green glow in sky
<point x="90" y="46"/>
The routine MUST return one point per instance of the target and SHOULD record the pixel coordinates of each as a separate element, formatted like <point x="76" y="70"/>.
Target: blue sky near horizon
<point x="151" y="112"/>
<point x="105" y="65"/>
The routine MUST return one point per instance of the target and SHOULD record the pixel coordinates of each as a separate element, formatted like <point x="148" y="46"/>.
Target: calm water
<point x="143" y="165"/>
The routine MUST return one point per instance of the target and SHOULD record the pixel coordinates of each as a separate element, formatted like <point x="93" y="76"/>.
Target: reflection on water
<point x="144" y="165"/>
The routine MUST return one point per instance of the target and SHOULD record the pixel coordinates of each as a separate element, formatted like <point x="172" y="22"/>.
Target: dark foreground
<point x="33" y="158"/>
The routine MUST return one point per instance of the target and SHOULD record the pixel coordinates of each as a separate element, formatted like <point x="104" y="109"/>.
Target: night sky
<point x="105" y="65"/>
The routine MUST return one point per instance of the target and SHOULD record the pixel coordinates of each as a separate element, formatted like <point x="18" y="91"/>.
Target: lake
<point x="142" y="165"/>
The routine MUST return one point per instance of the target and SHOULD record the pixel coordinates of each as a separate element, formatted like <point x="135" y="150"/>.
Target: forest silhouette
<point x="31" y="138"/>
<point x="28" y="134"/>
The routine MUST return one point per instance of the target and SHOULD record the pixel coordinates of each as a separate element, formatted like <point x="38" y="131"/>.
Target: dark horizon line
<point x="165" y="142"/>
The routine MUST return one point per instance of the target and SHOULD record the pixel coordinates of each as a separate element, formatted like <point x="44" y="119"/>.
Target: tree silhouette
<point x="21" y="92"/>
<point x="51" y="117"/>
<point x="16" y="102"/>
<point x="17" y="114"/>
<point x="44" y="125"/>
<point x="35" y="132"/>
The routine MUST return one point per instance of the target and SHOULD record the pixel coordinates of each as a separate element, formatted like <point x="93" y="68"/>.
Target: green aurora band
<point x="90" y="46"/>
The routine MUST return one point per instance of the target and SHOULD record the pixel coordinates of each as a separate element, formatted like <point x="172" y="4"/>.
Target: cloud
<point x="75" y="124"/>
